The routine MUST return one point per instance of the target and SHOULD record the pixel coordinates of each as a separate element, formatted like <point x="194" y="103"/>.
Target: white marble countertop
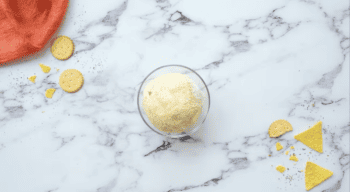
<point x="262" y="61"/>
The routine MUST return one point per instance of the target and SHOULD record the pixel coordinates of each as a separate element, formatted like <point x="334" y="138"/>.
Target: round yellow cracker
<point x="71" y="80"/>
<point x="62" y="48"/>
<point x="279" y="127"/>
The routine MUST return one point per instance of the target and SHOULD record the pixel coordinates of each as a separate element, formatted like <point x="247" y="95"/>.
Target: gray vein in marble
<point x="111" y="19"/>
<point x="166" y="145"/>
<point x="64" y="140"/>
<point x="108" y="187"/>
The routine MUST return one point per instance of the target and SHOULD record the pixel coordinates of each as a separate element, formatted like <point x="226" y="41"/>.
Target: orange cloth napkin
<point x="27" y="25"/>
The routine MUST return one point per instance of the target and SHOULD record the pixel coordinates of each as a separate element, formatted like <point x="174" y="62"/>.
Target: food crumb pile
<point x="170" y="103"/>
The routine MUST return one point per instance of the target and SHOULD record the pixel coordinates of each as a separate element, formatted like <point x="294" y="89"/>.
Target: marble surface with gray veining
<point x="262" y="61"/>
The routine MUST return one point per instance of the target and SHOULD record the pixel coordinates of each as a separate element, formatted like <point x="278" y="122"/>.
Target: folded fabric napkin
<point x="26" y="26"/>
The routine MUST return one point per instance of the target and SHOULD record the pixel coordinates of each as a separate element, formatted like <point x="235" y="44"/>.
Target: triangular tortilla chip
<point x="314" y="175"/>
<point x="312" y="137"/>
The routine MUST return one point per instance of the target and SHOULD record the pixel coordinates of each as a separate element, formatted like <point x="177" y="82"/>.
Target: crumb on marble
<point x="32" y="78"/>
<point x="278" y="146"/>
<point x="45" y="68"/>
<point x="49" y="92"/>
<point x="293" y="158"/>
<point x="280" y="168"/>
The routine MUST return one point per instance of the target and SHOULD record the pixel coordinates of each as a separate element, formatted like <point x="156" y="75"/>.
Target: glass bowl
<point x="200" y="89"/>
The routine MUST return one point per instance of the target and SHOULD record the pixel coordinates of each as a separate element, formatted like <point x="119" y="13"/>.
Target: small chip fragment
<point x="287" y="152"/>
<point x="71" y="80"/>
<point x="315" y="174"/>
<point x="312" y="137"/>
<point x="279" y="127"/>
<point x="62" y="48"/>
<point x="32" y="78"/>
<point x="293" y="158"/>
<point x="280" y="168"/>
<point x="49" y="92"/>
<point x="292" y="147"/>
<point x="279" y="146"/>
<point x="45" y="68"/>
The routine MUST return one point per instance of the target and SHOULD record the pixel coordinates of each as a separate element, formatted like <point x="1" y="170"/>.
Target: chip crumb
<point x="43" y="111"/>
<point x="269" y="155"/>
<point x="280" y="168"/>
<point x="49" y="92"/>
<point x="313" y="104"/>
<point x="279" y="146"/>
<point x="293" y="158"/>
<point x="292" y="147"/>
<point x="32" y="78"/>
<point x="45" y="68"/>
<point x="57" y="69"/>
<point x="287" y="152"/>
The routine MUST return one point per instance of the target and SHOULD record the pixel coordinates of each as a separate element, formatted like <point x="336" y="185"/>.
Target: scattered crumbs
<point x="301" y="170"/>
<point x="279" y="146"/>
<point x="292" y="147"/>
<point x="280" y="168"/>
<point x="57" y="69"/>
<point x="287" y="152"/>
<point x="32" y="78"/>
<point x="289" y="177"/>
<point x="269" y="155"/>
